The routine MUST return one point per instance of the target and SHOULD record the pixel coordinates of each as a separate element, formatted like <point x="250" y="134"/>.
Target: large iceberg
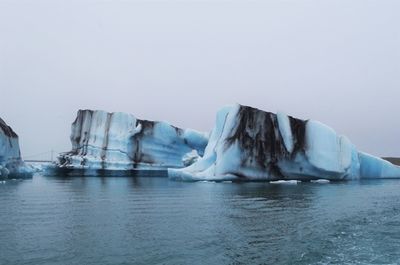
<point x="11" y="164"/>
<point x="251" y="144"/>
<point x="112" y="142"/>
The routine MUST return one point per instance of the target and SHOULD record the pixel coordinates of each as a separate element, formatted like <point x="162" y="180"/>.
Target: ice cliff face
<point x="11" y="164"/>
<point x="250" y="144"/>
<point x="119" y="141"/>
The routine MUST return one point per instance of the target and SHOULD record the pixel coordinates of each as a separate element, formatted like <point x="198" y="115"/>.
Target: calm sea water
<point x="93" y="220"/>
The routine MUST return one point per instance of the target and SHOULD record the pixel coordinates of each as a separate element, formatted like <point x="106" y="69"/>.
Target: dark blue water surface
<point x="117" y="220"/>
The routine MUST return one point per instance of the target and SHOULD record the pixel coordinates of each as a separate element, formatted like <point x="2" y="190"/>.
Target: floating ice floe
<point x="284" y="182"/>
<point x="103" y="141"/>
<point x="251" y="144"/>
<point x="321" y="181"/>
<point x="11" y="164"/>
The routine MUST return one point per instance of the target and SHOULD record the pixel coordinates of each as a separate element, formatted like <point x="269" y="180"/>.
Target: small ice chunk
<point x="320" y="181"/>
<point x="284" y="182"/>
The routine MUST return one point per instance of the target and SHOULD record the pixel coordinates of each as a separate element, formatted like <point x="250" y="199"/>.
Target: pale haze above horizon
<point x="337" y="62"/>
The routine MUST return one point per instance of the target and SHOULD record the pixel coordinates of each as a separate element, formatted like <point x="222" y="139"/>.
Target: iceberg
<point x="114" y="142"/>
<point x="250" y="144"/>
<point x="11" y="164"/>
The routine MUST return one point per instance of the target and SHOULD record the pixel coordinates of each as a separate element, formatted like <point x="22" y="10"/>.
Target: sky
<point x="180" y="61"/>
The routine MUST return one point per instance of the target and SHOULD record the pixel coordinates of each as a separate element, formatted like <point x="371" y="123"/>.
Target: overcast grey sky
<point x="180" y="61"/>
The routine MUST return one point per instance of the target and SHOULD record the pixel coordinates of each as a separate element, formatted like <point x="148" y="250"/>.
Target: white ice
<point x="119" y="141"/>
<point x="11" y="163"/>
<point x="326" y="155"/>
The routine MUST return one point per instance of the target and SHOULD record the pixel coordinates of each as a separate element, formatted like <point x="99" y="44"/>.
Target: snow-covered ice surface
<point x="251" y="144"/>
<point x="11" y="164"/>
<point x="121" y="142"/>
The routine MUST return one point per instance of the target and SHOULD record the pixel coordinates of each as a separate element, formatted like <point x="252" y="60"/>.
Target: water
<point x="53" y="220"/>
